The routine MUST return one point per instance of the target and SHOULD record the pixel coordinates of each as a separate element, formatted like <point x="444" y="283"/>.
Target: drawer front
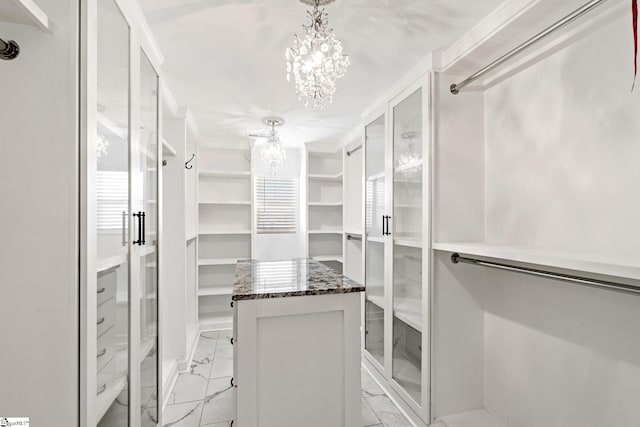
<point x="107" y="285"/>
<point x="106" y="375"/>
<point x="106" y="317"/>
<point x="106" y="348"/>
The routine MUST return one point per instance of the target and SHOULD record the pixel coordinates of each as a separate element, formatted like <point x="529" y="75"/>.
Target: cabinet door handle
<point x="102" y="352"/>
<point x="138" y="241"/>
<point x="124" y="228"/>
<point x="100" y="321"/>
<point x="384" y="217"/>
<point x="102" y="389"/>
<point x="101" y="290"/>
<point x="231" y="340"/>
<point x="144" y="228"/>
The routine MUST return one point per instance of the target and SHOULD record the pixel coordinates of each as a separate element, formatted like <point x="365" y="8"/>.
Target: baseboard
<point x="171" y="368"/>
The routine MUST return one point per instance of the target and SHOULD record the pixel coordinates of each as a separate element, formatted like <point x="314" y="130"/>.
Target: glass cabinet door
<point x="112" y="222"/>
<point x="374" y="239"/>
<point x="148" y="157"/>
<point x="407" y="244"/>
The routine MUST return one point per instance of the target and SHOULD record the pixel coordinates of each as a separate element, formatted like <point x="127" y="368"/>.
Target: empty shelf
<point x="213" y="291"/>
<point x="325" y="177"/>
<point x="223" y="202"/>
<point x="223" y="232"/>
<point x="325" y="204"/>
<point x="325" y="231"/>
<point x="337" y="258"/>
<point x="218" y="261"/>
<point x="225" y="174"/>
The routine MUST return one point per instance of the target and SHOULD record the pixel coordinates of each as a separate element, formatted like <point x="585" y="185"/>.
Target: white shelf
<point x="610" y="265"/>
<point x="107" y="263"/>
<point x="219" y="261"/>
<point x="167" y="149"/>
<point x="376" y="299"/>
<point x="325" y="231"/>
<point x="189" y="237"/>
<point x="211" y="291"/>
<point x="412" y="243"/>
<point x="408" y="310"/>
<point x="336" y="204"/>
<point x="479" y="418"/>
<point x="223" y="202"/>
<point x="223" y="232"/>
<point x="24" y="12"/>
<point x="325" y="177"/>
<point x="376" y="177"/>
<point x="337" y="258"/>
<point x="225" y="174"/>
<point x="376" y="239"/>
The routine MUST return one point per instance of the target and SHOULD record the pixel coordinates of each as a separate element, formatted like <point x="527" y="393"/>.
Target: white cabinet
<point x="325" y="207"/>
<point x="396" y="232"/>
<point x="225" y="200"/>
<point x="121" y="163"/>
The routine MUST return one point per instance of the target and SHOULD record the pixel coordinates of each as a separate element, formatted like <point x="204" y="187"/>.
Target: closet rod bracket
<point x="9" y="50"/>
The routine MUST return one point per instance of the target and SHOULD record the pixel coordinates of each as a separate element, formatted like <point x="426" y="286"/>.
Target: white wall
<point x="283" y="246"/>
<point x="562" y="153"/>
<point x="39" y="262"/>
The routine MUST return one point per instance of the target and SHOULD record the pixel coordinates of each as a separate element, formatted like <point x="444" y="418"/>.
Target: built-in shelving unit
<point x="24" y="12"/>
<point x="224" y="229"/>
<point x="325" y="207"/>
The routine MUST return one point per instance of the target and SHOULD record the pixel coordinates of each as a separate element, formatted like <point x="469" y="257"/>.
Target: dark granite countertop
<point x="288" y="278"/>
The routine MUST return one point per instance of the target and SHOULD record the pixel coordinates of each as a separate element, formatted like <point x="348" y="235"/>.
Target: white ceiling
<point x="224" y="59"/>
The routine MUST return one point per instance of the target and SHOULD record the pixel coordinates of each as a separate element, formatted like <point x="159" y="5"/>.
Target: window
<point x="276" y="205"/>
<point x="112" y="189"/>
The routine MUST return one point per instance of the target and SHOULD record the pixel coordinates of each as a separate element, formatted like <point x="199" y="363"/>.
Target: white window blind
<point x="276" y="205"/>
<point x="112" y="191"/>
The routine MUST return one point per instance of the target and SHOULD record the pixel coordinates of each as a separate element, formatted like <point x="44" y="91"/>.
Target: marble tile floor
<point x="204" y="397"/>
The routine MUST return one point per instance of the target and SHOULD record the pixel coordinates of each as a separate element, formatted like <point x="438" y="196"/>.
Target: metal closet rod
<point x="8" y="49"/>
<point x="358" y="148"/>
<point x="353" y="237"/>
<point x="455" y="88"/>
<point x="456" y="258"/>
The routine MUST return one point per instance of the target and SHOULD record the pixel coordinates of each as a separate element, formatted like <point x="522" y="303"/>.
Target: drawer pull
<point x="231" y="381"/>
<point x="100" y="321"/>
<point x="231" y="304"/>
<point x="231" y="340"/>
<point x="102" y="353"/>
<point x="102" y="389"/>
<point x="101" y="290"/>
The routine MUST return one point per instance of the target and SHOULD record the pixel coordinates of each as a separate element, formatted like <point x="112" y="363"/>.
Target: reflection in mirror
<point x="374" y="251"/>
<point x="149" y="256"/>
<point x="407" y="244"/>
<point x="112" y="202"/>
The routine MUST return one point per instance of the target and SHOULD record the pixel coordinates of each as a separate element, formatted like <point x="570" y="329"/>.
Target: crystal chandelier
<point x="101" y="144"/>
<point x="273" y="153"/>
<point x="409" y="162"/>
<point x="316" y="60"/>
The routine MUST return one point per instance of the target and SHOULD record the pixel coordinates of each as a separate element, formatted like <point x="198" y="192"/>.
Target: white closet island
<point x="296" y="345"/>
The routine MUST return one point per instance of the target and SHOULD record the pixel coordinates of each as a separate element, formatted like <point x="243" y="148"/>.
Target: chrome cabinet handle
<point x="102" y="353"/>
<point x="102" y="389"/>
<point x="101" y="290"/>
<point x="100" y="321"/>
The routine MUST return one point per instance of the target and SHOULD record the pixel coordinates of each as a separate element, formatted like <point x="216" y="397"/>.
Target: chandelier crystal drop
<point x="101" y="144"/>
<point x="409" y="162"/>
<point x="316" y="60"/>
<point x="273" y="153"/>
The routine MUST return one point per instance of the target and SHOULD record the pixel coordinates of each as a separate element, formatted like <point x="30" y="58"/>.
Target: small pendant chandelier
<point x="316" y="60"/>
<point x="410" y="161"/>
<point x="273" y="153"/>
